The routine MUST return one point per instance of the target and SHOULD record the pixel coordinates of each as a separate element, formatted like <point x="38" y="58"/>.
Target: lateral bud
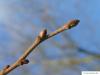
<point x="24" y="61"/>
<point x="6" y="67"/>
<point x="43" y="34"/>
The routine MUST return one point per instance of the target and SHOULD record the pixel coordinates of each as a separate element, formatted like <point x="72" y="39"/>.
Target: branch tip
<point x="71" y="24"/>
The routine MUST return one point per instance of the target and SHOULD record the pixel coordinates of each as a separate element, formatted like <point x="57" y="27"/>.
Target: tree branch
<point x="40" y="38"/>
<point x="97" y="55"/>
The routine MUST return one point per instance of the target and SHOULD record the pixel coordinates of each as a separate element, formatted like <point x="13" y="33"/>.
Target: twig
<point x="40" y="38"/>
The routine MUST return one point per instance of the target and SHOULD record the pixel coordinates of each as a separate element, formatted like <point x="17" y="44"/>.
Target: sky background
<point x="69" y="52"/>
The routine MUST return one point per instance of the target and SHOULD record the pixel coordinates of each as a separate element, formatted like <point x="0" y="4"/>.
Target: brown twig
<point x="40" y="38"/>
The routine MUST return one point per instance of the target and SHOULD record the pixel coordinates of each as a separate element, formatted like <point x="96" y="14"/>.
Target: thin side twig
<point x="40" y="38"/>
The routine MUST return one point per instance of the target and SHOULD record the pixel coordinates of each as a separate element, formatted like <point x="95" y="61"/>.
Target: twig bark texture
<point x="40" y="38"/>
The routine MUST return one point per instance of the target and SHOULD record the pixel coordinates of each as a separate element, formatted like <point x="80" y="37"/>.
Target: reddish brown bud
<point x="26" y="61"/>
<point x="71" y="24"/>
<point x="6" y="67"/>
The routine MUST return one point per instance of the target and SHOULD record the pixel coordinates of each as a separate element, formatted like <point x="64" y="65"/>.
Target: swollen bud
<point x="73" y="23"/>
<point x="43" y="33"/>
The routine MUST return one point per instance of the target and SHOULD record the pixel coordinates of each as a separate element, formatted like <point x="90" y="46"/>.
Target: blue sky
<point x="21" y="21"/>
